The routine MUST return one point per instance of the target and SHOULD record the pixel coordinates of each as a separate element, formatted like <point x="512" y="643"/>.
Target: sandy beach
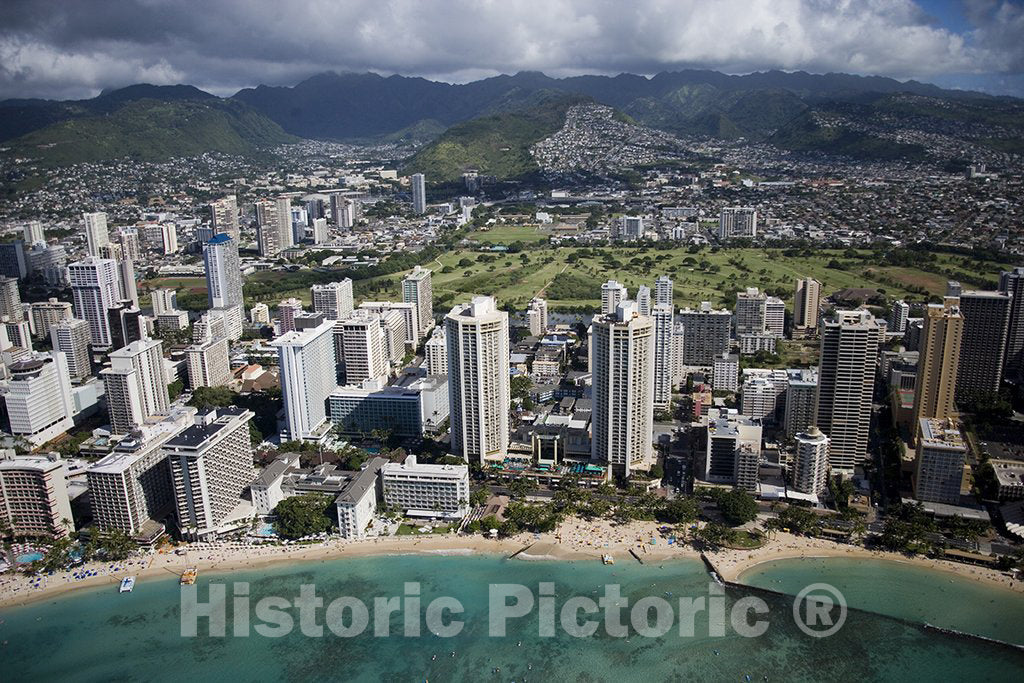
<point x="574" y="540"/>
<point x="731" y="564"/>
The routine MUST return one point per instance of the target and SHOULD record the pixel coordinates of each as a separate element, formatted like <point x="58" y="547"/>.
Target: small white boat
<point x="607" y="559"/>
<point x="127" y="584"/>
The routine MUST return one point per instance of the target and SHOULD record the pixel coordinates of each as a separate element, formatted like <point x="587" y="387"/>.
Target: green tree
<point x="303" y="515"/>
<point x="737" y="507"/>
<point x="479" y="496"/>
<point x="520" y="387"/>
<point x="207" y="398"/>
<point x="682" y="510"/>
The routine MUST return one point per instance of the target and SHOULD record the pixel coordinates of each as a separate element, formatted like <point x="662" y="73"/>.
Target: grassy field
<point x="704" y="276"/>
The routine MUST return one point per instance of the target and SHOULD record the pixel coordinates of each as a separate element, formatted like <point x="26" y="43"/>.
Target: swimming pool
<point x="28" y="558"/>
<point x="266" y="530"/>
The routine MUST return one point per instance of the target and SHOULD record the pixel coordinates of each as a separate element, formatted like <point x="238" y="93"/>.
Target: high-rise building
<point x="126" y="324"/>
<point x="286" y="312"/>
<point x="343" y="211"/>
<point x="758" y="398"/>
<point x="537" y="316"/>
<point x="417" y="288"/>
<point x="224" y="215"/>
<point x="136" y="386"/>
<point x="725" y="372"/>
<point x="17" y="333"/>
<point x="953" y="288"/>
<point x="750" y="312"/>
<point x="13" y="262"/>
<point x="643" y="300"/>
<point x="436" y="351"/>
<point x="806" y="304"/>
<point x="622" y="356"/>
<point x="45" y="313"/>
<point x="131" y="489"/>
<point x="364" y="348"/>
<point x="128" y="238"/>
<point x="774" y="316"/>
<point x="333" y="299"/>
<point x="308" y="376"/>
<point x="211" y="466"/>
<point x="223" y="273"/>
<point x="10" y="300"/>
<point x="941" y="451"/>
<point x="406" y="330"/>
<point x="612" y="294"/>
<point x="259" y="314"/>
<point x="71" y="337"/>
<point x="38" y="398"/>
<point x="733" y="452"/>
<point x="939" y="362"/>
<point x="34" y="232"/>
<point x="286" y="235"/>
<point x="705" y="334"/>
<point x="49" y="261"/>
<point x="984" y="342"/>
<point x="94" y="289"/>
<point x="208" y="363"/>
<point x="1012" y="282"/>
<point x="34" y="496"/>
<point x="661" y="314"/>
<point x="126" y="282"/>
<point x="269" y="228"/>
<point x="810" y="464"/>
<point x="419" y="193"/>
<point x="737" y="221"/>
<point x="801" y="401"/>
<point x="663" y="290"/>
<point x="319" y="228"/>
<point x="898" y="315"/>
<point x="164" y="300"/>
<point x="478" y="379"/>
<point x="846" y="383"/>
<point x="96" y="234"/>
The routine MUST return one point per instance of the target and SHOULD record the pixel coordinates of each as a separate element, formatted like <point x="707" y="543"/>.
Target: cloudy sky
<point x="75" y="48"/>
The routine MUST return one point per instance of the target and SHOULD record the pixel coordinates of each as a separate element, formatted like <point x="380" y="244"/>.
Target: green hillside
<point x="497" y="145"/>
<point x="154" y="130"/>
<point x="804" y="134"/>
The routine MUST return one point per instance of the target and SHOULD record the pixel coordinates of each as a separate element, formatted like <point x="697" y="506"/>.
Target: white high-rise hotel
<point x="96" y="234"/>
<point x="478" y="379"/>
<point x="135" y="385"/>
<point x="622" y="356"/>
<point x="333" y="299"/>
<point x="38" y="398"/>
<point x="307" y="365"/>
<point x="417" y="288"/>
<point x="94" y="289"/>
<point x="211" y="465"/>
<point x="223" y="274"/>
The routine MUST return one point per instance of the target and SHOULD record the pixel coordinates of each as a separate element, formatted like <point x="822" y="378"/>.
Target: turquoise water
<point x="28" y="558"/>
<point x="102" y="635"/>
<point x="905" y="591"/>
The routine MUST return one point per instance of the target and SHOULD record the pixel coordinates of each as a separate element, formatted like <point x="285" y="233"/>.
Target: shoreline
<point x="574" y="540"/>
<point x="733" y="564"/>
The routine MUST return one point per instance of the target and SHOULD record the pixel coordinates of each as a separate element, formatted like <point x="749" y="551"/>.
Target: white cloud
<point x="80" y="47"/>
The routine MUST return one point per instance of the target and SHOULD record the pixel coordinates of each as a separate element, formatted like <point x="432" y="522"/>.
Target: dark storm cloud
<point x="75" y="48"/>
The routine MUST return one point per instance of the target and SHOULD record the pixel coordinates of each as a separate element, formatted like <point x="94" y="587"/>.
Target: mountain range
<point x="832" y="113"/>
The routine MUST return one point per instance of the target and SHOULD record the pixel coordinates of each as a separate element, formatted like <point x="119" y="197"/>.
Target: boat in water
<point x="127" y="584"/>
<point x="189" y="576"/>
<point x="607" y="559"/>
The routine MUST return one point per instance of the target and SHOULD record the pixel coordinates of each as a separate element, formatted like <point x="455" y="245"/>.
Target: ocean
<point x="99" y="634"/>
